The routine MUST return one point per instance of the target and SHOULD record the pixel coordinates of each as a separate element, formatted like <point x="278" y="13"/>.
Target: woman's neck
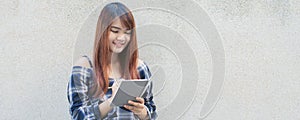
<point x="115" y="66"/>
<point x="114" y="58"/>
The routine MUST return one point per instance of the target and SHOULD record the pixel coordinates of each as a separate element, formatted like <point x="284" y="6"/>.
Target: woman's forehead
<point x="118" y="24"/>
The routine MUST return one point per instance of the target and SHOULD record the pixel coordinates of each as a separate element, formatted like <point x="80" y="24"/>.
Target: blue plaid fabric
<point x="83" y="96"/>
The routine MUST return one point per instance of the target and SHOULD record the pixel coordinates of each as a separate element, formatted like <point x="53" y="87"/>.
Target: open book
<point x="129" y="90"/>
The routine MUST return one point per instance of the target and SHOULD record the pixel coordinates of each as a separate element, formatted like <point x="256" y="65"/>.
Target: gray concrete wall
<point x="213" y="60"/>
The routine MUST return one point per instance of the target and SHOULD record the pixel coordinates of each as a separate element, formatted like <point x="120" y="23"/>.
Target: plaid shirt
<point x="83" y="96"/>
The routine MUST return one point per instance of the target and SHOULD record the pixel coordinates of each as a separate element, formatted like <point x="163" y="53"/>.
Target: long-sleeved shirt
<point x="84" y="98"/>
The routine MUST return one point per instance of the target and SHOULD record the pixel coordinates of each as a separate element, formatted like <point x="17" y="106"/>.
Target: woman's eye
<point x="128" y="32"/>
<point x="114" y="31"/>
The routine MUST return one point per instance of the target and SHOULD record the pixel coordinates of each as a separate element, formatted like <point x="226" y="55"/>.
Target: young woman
<point x="91" y="86"/>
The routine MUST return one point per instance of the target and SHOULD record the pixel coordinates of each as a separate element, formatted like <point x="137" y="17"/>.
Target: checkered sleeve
<point x="148" y="96"/>
<point x="81" y="108"/>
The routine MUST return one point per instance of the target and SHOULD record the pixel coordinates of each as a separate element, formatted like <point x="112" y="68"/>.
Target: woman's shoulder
<point x="83" y="62"/>
<point x="82" y="66"/>
<point x="141" y="63"/>
<point x="143" y="69"/>
<point x="82" y="73"/>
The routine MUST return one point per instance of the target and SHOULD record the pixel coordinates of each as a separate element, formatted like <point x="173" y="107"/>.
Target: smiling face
<point x="113" y="38"/>
<point x="119" y="36"/>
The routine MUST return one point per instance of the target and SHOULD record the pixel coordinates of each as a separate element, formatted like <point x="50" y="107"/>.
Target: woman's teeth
<point x="122" y="43"/>
<point x="118" y="44"/>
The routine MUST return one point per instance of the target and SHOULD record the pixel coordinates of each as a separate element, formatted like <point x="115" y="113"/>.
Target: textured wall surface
<point x="41" y="39"/>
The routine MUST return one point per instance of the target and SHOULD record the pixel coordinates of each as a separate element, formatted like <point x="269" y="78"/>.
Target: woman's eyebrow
<point x="118" y="28"/>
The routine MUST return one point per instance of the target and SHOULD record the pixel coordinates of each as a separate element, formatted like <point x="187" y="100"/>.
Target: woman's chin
<point x="117" y="50"/>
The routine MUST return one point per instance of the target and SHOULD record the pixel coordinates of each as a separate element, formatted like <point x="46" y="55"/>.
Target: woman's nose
<point x="121" y="37"/>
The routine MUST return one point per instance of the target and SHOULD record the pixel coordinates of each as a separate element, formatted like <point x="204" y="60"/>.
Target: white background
<point x="260" y="39"/>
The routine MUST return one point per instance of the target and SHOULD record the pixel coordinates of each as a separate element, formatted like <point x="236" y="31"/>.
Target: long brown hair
<point x="102" y="54"/>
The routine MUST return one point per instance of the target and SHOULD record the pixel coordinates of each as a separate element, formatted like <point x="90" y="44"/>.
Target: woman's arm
<point x="149" y="103"/>
<point x="145" y="73"/>
<point x="105" y="106"/>
<point x="81" y="106"/>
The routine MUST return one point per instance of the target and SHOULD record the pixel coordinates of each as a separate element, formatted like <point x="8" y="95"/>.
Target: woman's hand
<point x="137" y="107"/>
<point x="106" y="106"/>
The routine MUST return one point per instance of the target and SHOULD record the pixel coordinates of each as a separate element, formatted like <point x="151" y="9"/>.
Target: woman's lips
<point x="118" y="44"/>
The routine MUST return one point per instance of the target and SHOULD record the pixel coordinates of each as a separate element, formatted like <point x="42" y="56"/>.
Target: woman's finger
<point x="133" y="103"/>
<point x="129" y="107"/>
<point x="141" y="100"/>
<point x="135" y="107"/>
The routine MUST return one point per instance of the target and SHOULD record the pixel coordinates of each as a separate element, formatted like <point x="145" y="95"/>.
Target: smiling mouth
<point x="118" y="44"/>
